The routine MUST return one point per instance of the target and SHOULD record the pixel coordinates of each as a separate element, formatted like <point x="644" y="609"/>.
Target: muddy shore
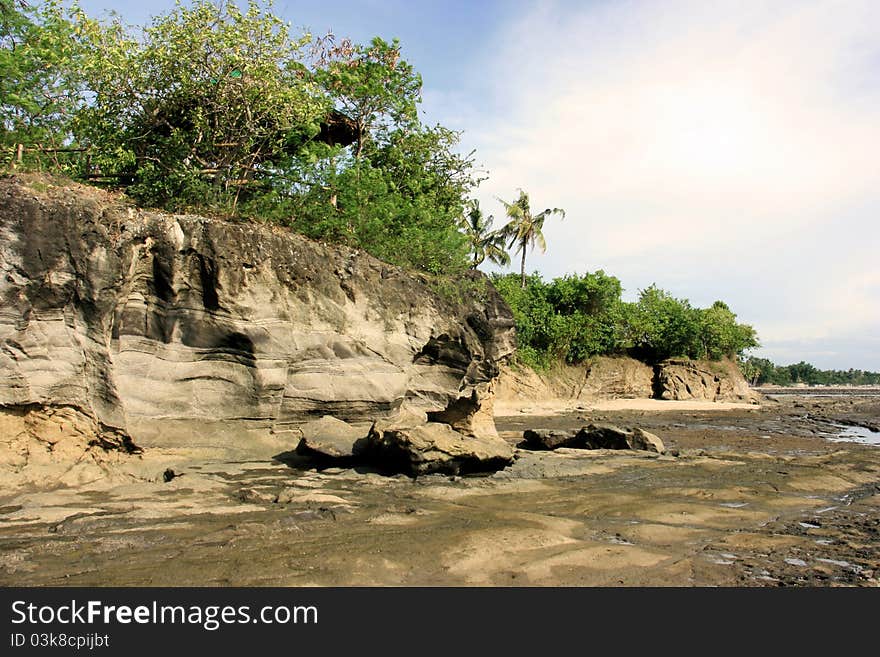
<point x="747" y="496"/>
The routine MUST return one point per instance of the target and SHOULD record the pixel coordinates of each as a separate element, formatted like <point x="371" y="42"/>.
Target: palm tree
<point x="524" y="229"/>
<point x="484" y="242"/>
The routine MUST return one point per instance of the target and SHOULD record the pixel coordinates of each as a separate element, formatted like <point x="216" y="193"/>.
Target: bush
<point x="576" y="317"/>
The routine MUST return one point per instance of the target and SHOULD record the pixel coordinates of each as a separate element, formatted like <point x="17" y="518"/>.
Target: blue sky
<point x="722" y="149"/>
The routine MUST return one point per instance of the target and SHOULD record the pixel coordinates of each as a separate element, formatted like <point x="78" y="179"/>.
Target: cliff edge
<point x="181" y="330"/>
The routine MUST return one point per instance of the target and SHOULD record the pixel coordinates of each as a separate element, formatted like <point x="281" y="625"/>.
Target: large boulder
<point x="683" y="379"/>
<point x="189" y="331"/>
<point x="433" y="448"/>
<point x="609" y="436"/>
<point x="593" y="436"/>
<point x="330" y="438"/>
<point x="645" y="440"/>
<point x="604" y="436"/>
<point x="551" y="439"/>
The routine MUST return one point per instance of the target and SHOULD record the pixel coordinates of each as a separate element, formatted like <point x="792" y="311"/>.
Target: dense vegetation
<point x="761" y="371"/>
<point x="575" y="317"/>
<point x="213" y="108"/>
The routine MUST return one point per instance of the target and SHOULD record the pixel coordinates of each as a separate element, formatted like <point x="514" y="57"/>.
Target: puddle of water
<point x="809" y="525"/>
<point x="826" y="509"/>
<point x="796" y="562"/>
<point x="861" y="435"/>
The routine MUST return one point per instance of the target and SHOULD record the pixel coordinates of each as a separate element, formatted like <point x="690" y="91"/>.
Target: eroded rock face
<point x="617" y="378"/>
<point x="184" y="330"/>
<point x="57" y="444"/>
<point x="711" y="381"/>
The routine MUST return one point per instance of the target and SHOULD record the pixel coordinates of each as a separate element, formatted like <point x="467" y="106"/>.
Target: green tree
<point x="524" y="229"/>
<point x="402" y="201"/>
<point x="41" y="59"/>
<point x="210" y="100"/>
<point x="666" y="327"/>
<point x="371" y="85"/>
<point x="721" y="335"/>
<point x="484" y="243"/>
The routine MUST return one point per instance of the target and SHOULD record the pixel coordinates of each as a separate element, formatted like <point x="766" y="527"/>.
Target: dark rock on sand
<point x="550" y="439"/>
<point x="593" y="436"/>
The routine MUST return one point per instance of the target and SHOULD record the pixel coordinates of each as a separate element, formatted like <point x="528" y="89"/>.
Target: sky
<point x="720" y="149"/>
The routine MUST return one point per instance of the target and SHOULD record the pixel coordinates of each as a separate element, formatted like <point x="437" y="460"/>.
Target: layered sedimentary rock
<point x="702" y="380"/>
<point x="617" y="378"/>
<point x="620" y="377"/>
<point x="183" y="330"/>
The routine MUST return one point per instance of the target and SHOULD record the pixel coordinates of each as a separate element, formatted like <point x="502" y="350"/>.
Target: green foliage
<point x="483" y="242"/>
<point x="209" y="102"/>
<point x="722" y="335"/>
<point x="576" y="317"/>
<point x="525" y="229"/>
<point x="761" y="371"/>
<point x="371" y="85"/>
<point x="666" y="326"/>
<point x="401" y="201"/>
<point x="218" y="108"/>
<point x="41" y="87"/>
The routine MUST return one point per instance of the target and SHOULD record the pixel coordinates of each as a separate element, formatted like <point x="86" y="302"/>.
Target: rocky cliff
<point x="721" y="380"/>
<point x="604" y="377"/>
<point x="189" y="331"/>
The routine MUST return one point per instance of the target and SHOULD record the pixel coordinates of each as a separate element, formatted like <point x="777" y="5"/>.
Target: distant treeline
<point x="761" y="371"/>
<point x="575" y="317"/>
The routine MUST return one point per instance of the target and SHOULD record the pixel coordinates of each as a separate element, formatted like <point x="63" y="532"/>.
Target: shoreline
<point x="756" y="496"/>
<point x="557" y="406"/>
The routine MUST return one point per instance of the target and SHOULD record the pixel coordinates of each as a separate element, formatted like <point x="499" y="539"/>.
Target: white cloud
<point x="721" y="149"/>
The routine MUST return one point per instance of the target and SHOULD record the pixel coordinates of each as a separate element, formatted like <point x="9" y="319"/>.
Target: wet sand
<point x="754" y="497"/>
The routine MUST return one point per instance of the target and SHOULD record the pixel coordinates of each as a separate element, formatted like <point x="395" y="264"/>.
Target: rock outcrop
<point x="702" y="380"/>
<point x="620" y="377"/>
<point x="180" y="330"/>
<point x="58" y="444"/>
<point x="433" y="448"/>
<point x="593" y="436"/>
<point x="329" y="438"/>
<point x="541" y="439"/>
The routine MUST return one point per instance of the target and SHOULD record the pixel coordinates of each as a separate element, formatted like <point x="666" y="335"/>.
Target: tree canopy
<point x="484" y="243"/>
<point x="578" y="316"/>
<point x="216" y="108"/>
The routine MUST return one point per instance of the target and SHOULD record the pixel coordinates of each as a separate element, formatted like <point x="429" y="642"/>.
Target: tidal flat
<point x="760" y="496"/>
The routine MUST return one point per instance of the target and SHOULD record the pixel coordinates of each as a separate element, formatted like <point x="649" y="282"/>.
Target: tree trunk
<point x="523" y="268"/>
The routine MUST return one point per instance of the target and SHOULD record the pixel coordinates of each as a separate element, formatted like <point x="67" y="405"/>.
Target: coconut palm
<point x="484" y="242"/>
<point x="524" y="229"/>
